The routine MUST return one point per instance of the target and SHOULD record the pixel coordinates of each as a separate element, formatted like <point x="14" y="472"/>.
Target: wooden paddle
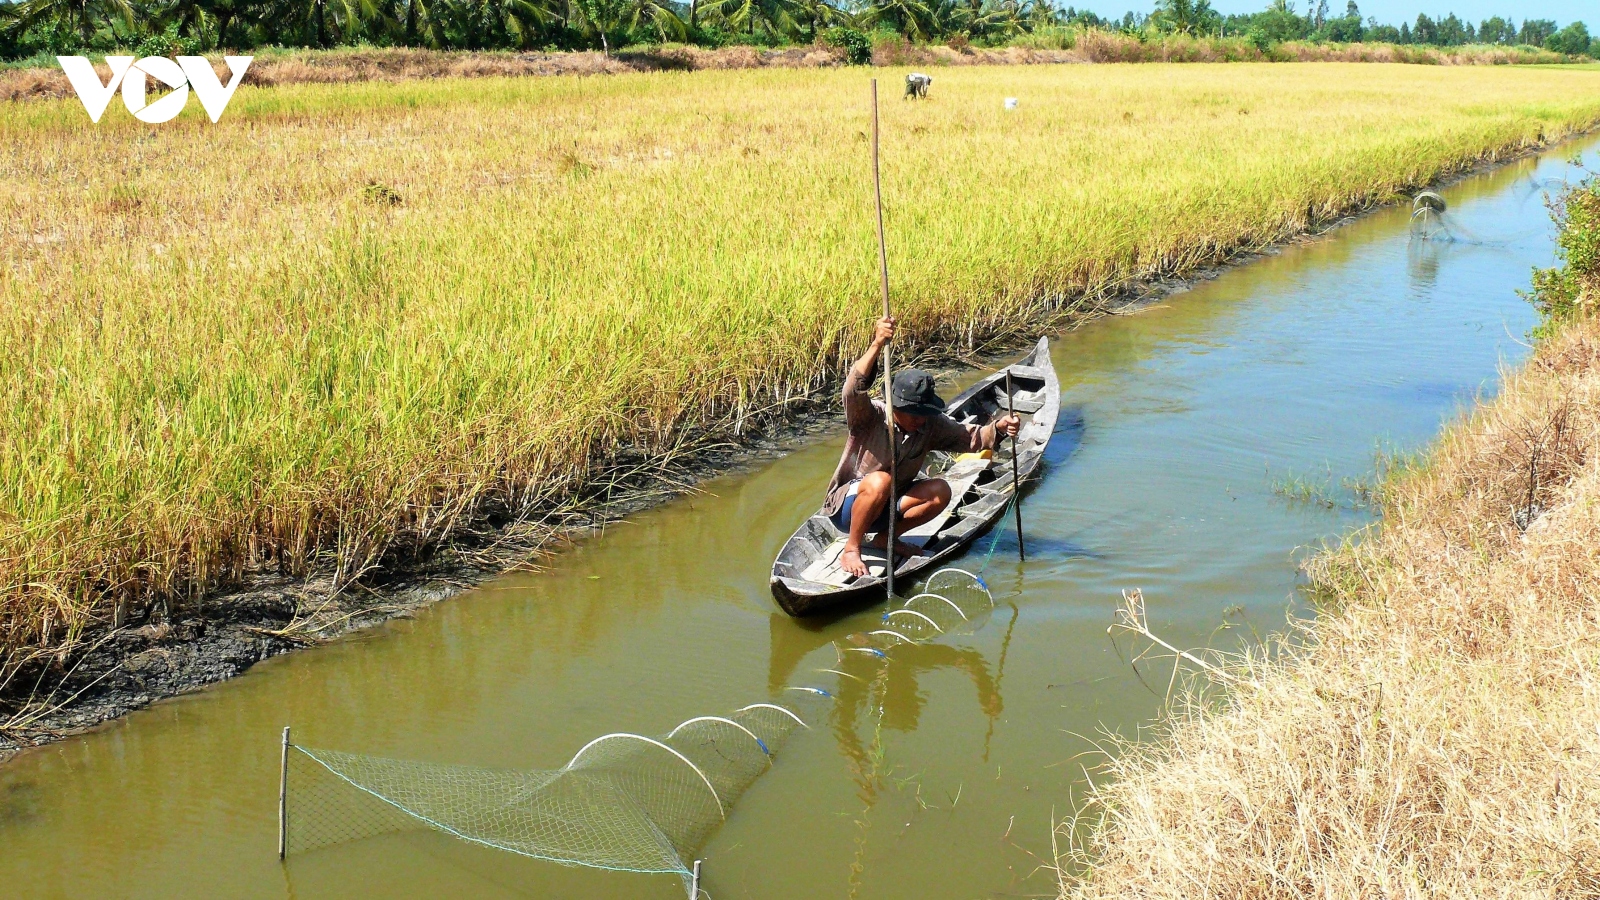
<point x="1016" y="481"/>
<point x="888" y="370"/>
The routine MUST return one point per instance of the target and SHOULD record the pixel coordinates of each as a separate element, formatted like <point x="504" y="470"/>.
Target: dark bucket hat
<point x="914" y="394"/>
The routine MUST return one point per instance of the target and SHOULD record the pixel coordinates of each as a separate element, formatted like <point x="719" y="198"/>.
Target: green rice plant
<point x="350" y="319"/>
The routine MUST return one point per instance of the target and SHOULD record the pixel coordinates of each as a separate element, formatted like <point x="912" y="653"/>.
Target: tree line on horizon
<point x="1280" y="22"/>
<point x="30" y="28"/>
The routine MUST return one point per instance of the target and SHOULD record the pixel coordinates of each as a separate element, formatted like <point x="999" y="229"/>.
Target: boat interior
<point x="979" y="485"/>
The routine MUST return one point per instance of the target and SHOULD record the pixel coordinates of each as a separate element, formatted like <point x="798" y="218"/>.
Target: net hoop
<point x="810" y="690"/>
<point x="783" y="709"/>
<point x="1429" y="200"/>
<point x="873" y="651"/>
<point x="654" y="743"/>
<point x="912" y="612"/>
<point x="684" y="724"/>
<point x="945" y="600"/>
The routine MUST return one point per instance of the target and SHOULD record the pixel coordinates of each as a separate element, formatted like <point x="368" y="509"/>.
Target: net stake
<point x="283" y="798"/>
<point x="694" y="883"/>
<point x="888" y="364"/>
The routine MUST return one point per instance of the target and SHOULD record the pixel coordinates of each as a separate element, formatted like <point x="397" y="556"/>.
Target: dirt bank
<point x="1434" y="731"/>
<point x="275" y="67"/>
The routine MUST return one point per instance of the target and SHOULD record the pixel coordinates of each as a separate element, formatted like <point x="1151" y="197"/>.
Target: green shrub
<point x="857" y="47"/>
<point x="1571" y="290"/>
<point x="710" y="36"/>
<point x="166" y="43"/>
<point x="42" y="41"/>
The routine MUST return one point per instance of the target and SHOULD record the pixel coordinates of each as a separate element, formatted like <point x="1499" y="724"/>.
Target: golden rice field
<point x="350" y="318"/>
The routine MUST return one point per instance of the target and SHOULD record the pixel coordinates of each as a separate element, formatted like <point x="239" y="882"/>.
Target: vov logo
<point x="187" y="72"/>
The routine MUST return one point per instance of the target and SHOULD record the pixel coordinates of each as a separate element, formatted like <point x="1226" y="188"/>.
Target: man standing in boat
<point x="858" y="496"/>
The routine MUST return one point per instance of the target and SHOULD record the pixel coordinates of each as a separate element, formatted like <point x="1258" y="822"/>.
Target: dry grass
<point x="280" y="67"/>
<point x="1096" y="46"/>
<point x="1471" y="55"/>
<point x="285" y="67"/>
<point x="1436" y="732"/>
<point x="350" y="319"/>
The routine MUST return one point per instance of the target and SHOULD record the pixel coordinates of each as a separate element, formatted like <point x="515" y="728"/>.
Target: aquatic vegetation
<point x="1349" y="492"/>
<point x="349" y="320"/>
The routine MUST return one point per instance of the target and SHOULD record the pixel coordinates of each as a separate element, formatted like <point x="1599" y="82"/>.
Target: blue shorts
<point x="841" y="519"/>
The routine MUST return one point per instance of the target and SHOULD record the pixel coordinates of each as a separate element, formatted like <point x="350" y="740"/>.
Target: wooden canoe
<point x="806" y="578"/>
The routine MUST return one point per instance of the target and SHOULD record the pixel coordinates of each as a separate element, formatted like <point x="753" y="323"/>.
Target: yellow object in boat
<point x="981" y="454"/>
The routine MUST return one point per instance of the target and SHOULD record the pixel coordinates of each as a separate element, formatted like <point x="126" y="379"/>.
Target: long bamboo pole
<point x="1016" y="480"/>
<point x="888" y="367"/>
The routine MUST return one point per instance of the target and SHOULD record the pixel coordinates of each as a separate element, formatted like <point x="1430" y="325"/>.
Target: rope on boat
<point x="994" y="541"/>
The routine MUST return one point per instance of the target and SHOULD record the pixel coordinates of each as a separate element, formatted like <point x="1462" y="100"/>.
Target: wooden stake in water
<point x="283" y="797"/>
<point x="1016" y="481"/>
<point x="694" y="882"/>
<point x="888" y="368"/>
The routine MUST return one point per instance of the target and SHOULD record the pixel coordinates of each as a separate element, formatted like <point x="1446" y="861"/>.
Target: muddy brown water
<point x="1181" y="426"/>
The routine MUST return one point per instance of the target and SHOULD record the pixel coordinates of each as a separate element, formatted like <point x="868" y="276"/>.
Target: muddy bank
<point x="122" y="669"/>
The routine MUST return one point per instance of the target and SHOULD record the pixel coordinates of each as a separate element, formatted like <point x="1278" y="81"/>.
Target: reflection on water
<point x="874" y="691"/>
<point x="875" y="695"/>
<point x="935" y="775"/>
<point x="1422" y="261"/>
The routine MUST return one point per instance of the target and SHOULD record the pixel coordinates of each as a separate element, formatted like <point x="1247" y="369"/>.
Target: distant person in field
<point x="858" y="496"/>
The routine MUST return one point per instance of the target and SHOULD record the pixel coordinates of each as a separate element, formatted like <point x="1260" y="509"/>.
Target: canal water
<point x="1206" y="444"/>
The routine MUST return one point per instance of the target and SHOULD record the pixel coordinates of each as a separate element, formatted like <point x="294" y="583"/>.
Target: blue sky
<point x="1393" y="12"/>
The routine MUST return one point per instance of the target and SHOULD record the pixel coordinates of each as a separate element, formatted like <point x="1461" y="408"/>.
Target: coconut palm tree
<point x="601" y="16"/>
<point x="813" y="16"/>
<point x="912" y="18"/>
<point x="84" y="17"/>
<point x="997" y="18"/>
<point x="640" y="14"/>
<point x="770" y="17"/>
<point x="419" y="24"/>
<point x="477" y="24"/>
<point x="205" y="20"/>
<point x="608" y="16"/>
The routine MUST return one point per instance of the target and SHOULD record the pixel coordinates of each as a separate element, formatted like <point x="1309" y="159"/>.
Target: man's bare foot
<point x="850" y="561"/>
<point x="850" y="557"/>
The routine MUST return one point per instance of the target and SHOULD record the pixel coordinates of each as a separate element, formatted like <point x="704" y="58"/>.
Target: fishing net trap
<point x="1432" y="221"/>
<point x="624" y="802"/>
